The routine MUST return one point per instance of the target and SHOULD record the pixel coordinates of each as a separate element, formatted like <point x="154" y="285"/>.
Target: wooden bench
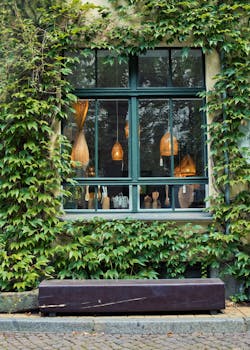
<point x="130" y="296"/>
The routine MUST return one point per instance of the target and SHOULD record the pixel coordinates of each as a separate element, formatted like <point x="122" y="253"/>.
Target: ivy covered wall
<point x="34" y="159"/>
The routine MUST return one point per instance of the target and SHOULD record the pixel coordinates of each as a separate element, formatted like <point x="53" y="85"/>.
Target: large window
<point x="137" y="133"/>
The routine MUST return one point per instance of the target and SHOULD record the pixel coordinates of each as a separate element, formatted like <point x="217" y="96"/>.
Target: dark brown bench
<point x="130" y="296"/>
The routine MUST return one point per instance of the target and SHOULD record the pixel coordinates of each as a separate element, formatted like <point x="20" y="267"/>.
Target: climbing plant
<point x="34" y="158"/>
<point x="35" y="95"/>
<point x="223" y="27"/>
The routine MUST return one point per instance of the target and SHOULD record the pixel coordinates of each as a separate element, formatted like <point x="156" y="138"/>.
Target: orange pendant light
<point x="187" y="166"/>
<point x="166" y="145"/>
<point x="117" y="150"/>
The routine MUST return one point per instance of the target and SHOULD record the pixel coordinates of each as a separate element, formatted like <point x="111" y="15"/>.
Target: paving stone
<point x="96" y="341"/>
<point x="245" y="310"/>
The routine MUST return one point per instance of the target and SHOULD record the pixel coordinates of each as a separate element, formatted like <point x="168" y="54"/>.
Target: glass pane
<point x="97" y="197"/>
<point x="187" y="70"/>
<point x="112" y="141"/>
<point x="115" y="197"/>
<point x="81" y="136"/>
<point x="155" y="197"/>
<point x="82" y="197"/>
<point x="187" y="126"/>
<point x="111" y="73"/>
<point x="154" y="122"/>
<point x="189" y="196"/>
<point x="153" y="68"/>
<point x="160" y="196"/>
<point x="83" y="72"/>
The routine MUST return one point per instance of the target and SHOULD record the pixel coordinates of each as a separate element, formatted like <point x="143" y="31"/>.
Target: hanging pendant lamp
<point x="117" y="151"/>
<point x="166" y="145"/>
<point x="80" y="150"/>
<point x="187" y="166"/>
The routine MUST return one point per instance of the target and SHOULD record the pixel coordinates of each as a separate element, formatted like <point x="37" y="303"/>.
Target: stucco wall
<point x="212" y="67"/>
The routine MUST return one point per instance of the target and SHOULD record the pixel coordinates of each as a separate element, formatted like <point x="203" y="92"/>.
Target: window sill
<point x="176" y="216"/>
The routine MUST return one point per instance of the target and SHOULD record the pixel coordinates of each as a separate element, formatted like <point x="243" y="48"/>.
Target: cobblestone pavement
<point x="88" y="341"/>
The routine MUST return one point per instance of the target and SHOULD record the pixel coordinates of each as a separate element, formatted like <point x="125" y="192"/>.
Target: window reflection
<point x="110" y="71"/>
<point x="110" y="118"/>
<point x="168" y="142"/>
<point x="189" y="196"/>
<point x="187" y="126"/>
<point x="83" y="71"/>
<point x="154" y="122"/>
<point x="97" y="197"/>
<point x="155" y="197"/>
<point x="111" y="122"/>
<point x="187" y="70"/>
<point x="153" y="68"/>
<point x="92" y="71"/>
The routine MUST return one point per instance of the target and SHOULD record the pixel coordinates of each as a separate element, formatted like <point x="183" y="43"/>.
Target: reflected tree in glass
<point x="187" y="69"/>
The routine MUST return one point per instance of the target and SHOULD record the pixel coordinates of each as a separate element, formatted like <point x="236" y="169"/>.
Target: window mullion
<point x="134" y="142"/>
<point x="133" y="72"/>
<point x="172" y="148"/>
<point x="171" y="133"/>
<point x="96" y="138"/>
<point x="96" y="69"/>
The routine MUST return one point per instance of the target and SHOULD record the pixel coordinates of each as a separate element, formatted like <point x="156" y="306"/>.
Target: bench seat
<point x="131" y="296"/>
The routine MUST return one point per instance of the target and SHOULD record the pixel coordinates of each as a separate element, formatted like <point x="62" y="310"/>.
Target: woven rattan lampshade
<point x="187" y="166"/>
<point x="81" y="109"/>
<point x="80" y="150"/>
<point x="117" y="151"/>
<point x="166" y="146"/>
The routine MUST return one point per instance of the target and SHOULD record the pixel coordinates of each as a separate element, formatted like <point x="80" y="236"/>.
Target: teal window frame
<point x="132" y="93"/>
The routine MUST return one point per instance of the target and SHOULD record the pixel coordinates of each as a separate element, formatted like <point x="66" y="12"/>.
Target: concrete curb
<point x="126" y="325"/>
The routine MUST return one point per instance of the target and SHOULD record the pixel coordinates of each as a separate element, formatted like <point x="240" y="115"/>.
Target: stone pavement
<point x="229" y="329"/>
<point x="99" y="341"/>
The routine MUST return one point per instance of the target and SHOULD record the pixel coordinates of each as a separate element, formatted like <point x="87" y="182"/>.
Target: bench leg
<point x="214" y="312"/>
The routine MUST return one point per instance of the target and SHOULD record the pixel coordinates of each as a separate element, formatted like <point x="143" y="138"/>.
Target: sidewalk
<point x="234" y="319"/>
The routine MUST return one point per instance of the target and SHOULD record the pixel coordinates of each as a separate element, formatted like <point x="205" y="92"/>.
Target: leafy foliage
<point x="99" y="249"/>
<point x="223" y="27"/>
<point x="34" y="158"/>
<point x="126" y="249"/>
<point x="34" y="98"/>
